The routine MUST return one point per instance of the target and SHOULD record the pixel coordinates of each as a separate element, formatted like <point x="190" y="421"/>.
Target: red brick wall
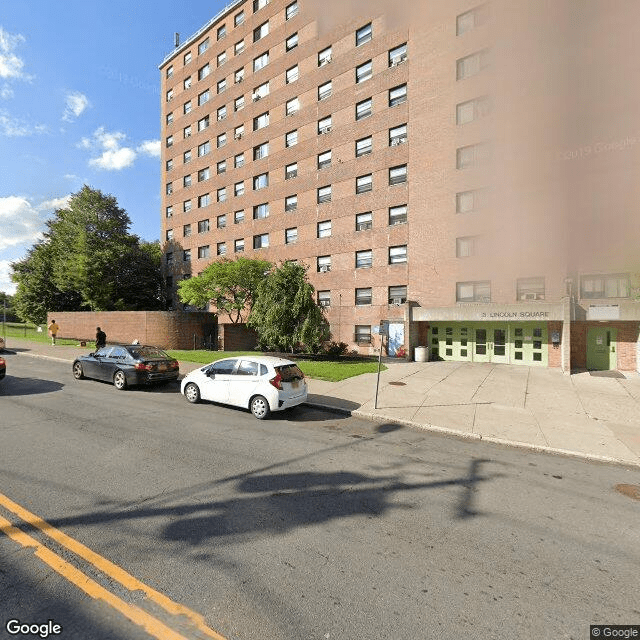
<point x="627" y="343"/>
<point x="555" y="352"/>
<point x="165" y="329"/>
<point x="236" y="337"/>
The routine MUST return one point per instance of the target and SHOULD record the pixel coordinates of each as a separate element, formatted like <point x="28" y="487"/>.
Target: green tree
<point x="230" y="285"/>
<point x="285" y="314"/>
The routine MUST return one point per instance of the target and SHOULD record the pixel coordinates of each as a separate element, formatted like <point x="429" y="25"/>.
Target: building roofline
<point x="223" y="12"/>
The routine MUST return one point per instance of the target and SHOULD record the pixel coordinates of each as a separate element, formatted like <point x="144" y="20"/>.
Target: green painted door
<point x="530" y="344"/>
<point x="499" y="344"/>
<point x="481" y="347"/>
<point x="601" y="348"/>
<point x="451" y="341"/>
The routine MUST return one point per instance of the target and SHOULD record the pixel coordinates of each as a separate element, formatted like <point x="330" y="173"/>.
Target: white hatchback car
<point x="260" y="383"/>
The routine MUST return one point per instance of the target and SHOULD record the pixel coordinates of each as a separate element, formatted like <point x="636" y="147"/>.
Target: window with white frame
<point x="204" y="97"/>
<point x="324" y="57"/>
<point x="203" y="123"/>
<point x="292" y="106"/>
<point x="187" y="83"/>
<point x="261" y="61"/>
<point x="238" y="160"/>
<point x="472" y="64"/>
<point x="364" y="183"/>
<point x="186" y="206"/>
<point x="472" y="110"/>
<point x="238" y="132"/>
<point x="605" y="286"/>
<point x="291" y="235"/>
<point x="364" y="221"/>
<point x="186" y="157"/>
<point x="238" y="103"/>
<point x="397" y="55"/>
<point x="186" y="180"/>
<point x="530" y="289"/>
<point x="203" y="226"/>
<point x="261" y="151"/>
<point x="221" y="32"/>
<point x="169" y="164"/>
<point x="259" y="4"/>
<point x="292" y="74"/>
<point x="204" y="149"/>
<point x="221" y="113"/>
<point x="323" y="264"/>
<point x="238" y="47"/>
<point x="261" y="91"/>
<point x="324" y="159"/>
<point x="291" y="42"/>
<point x="221" y="221"/>
<point x="187" y="58"/>
<point x="238" y="245"/>
<point x="397" y="294"/>
<point x="221" y="86"/>
<point x="261" y="181"/>
<point x="203" y="46"/>
<point x="238" y="75"/>
<point x="203" y="252"/>
<point x="291" y="171"/>
<point x="186" y="107"/>
<point x="467" y="201"/>
<point x="261" y="211"/>
<point x="291" y="138"/>
<point x="364" y="259"/>
<point x="221" y="194"/>
<point x="364" y="108"/>
<point x="204" y="174"/>
<point x="364" y="34"/>
<point x="474" y="155"/>
<point x="169" y="95"/>
<point x="169" y="141"/>
<point x="398" y="255"/>
<point x="324" y="229"/>
<point x="324" y="194"/>
<point x="478" y="291"/>
<point x="221" y="167"/>
<point x="466" y="246"/>
<point x="364" y="296"/>
<point x="324" y="125"/>
<point x="169" y="71"/>
<point x="397" y="95"/>
<point x="170" y="117"/>
<point x="324" y="90"/>
<point x="221" y="140"/>
<point x="168" y="212"/>
<point x="364" y="146"/>
<point x="168" y="188"/>
<point x="238" y="188"/>
<point x="364" y="71"/>
<point x="221" y="58"/>
<point x="397" y="215"/>
<point x="238" y="216"/>
<point x="238" y="19"/>
<point x="362" y="334"/>
<point x="261" y="31"/>
<point x="291" y="203"/>
<point x="186" y="230"/>
<point x="324" y="298"/>
<point x="397" y="135"/>
<point x="261" y="121"/>
<point x="221" y="248"/>
<point x="261" y="241"/>
<point x="291" y="10"/>
<point x="469" y="20"/>
<point x="186" y="255"/>
<point x="398" y="175"/>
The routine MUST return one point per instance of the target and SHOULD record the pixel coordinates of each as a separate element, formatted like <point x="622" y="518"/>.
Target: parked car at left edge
<point x="3" y="368"/>
<point x="127" y="365"/>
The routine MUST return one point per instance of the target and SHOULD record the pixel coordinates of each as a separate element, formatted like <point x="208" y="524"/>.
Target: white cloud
<point x="20" y="222"/>
<point x="15" y="128"/>
<point x="76" y="103"/>
<point x="150" y="147"/>
<point x="5" y="280"/>
<point x="114" y="159"/>
<point x="6" y="92"/>
<point x="11" y="66"/>
<point x="113" y="156"/>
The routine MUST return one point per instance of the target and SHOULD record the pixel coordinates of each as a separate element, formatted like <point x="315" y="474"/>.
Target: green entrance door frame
<point x="601" y="348"/>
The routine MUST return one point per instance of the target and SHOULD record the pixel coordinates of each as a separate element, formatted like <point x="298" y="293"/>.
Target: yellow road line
<point x="104" y="565"/>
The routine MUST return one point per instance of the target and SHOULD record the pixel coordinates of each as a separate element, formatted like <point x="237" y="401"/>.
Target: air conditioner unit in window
<point x="291" y="174"/>
<point x="220" y="118"/>
<point x="403" y="57"/>
<point x="256" y="97"/>
<point x="529" y="296"/>
<point x="237" y="136"/>
<point x="396" y="301"/>
<point x="395" y="142"/>
<point x="325" y="303"/>
<point x="325" y="130"/>
<point x="324" y="268"/>
<point x="239" y="80"/>
<point x="395" y="62"/>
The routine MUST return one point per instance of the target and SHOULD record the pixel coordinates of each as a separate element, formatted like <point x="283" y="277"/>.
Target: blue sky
<point x="79" y="104"/>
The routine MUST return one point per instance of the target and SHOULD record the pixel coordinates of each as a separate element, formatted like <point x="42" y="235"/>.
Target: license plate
<point x="162" y="367"/>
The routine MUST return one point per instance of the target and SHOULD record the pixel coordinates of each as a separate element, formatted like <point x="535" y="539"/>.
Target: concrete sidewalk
<point x="593" y="415"/>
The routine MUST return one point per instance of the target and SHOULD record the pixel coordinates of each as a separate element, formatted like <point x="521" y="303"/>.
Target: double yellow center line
<point x="153" y="626"/>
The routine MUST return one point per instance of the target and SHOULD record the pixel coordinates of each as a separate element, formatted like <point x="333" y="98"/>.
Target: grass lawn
<point x="332" y="370"/>
<point x="30" y="332"/>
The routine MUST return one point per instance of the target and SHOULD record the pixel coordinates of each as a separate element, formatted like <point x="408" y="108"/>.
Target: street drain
<point x="629" y="490"/>
<point x="398" y="384"/>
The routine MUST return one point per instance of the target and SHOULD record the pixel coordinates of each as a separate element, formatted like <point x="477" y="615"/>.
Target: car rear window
<point x="144" y="353"/>
<point x="289" y="372"/>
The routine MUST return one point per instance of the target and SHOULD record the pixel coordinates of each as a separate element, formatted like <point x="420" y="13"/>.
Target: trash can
<point x="421" y="354"/>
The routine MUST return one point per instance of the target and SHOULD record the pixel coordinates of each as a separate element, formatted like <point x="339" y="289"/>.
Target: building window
<point x="221" y="59"/>
<point x="238" y="160"/>
<point x="221" y="248"/>
<point x="238" y="189"/>
<point x="364" y="34"/>
<point x="238" y="132"/>
<point x="364" y="296"/>
<point x="261" y="31"/>
<point x="259" y="4"/>
<point x="364" y="259"/>
<point x="261" y="241"/>
<point x="238" y="47"/>
<point x="221" y="221"/>
<point x="186" y="180"/>
<point x="204" y="97"/>
<point x="397" y="215"/>
<point x="261" y="151"/>
<point x="291" y="138"/>
<point x="364" y="146"/>
<point x="291" y="235"/>
<point x="203" y="252"/>
<point x="221" y="112"/>
<point x="261" y="61"/>
<point x="204" y="200"/>
<point x="324" y="57"/>
<point x="221" y="140"/>
<point x="530" y="289"/>
<point x="398" y="175"/>
<point x="203" y="123"/>
<point x="467" y="201"/>
<point x="398" y="294"/>
<point x="324" y="229"/>
<point x="187" y="206"/>
<point x="398" y="55"/>
<point x="261" y="121"/>
<point x="397" y="95"/>
<point x="221" y="167"/>
<point x="291" y="10"/>
<point x="222" y="32"/>
<point x="466" y="246"/>
<point x="203" y="226"/>
<point x="238" y="75"/>
<point x="220" y="87"/>
<point x="238" y="19"/>
<point x="168" y="188"/>
<point x="261" y="181"/>
<point x="260" y="91"/>
<point x="186" y="108"/>
<point x="186" y="84"/>
<point x="472" y="110"/>
<point x="473" y="291"/>
<point x="238" y="216"/>
<point x="364" y="183"/>
<point x="261" y="211"/>
<point x="170" y="118"/>
<point x="398" y="255"/>
<point x="364" y="221"/>
<point x="324" y="125"/>
<point x="362" y="334"/>
<point x="169" y="141"/>
<point x="291" y="171"/>
<point x="291" y="203"/>
<point x="324" y="90"/>
<point x="186" y="230"/>
<point x="186" y="255"/>
<point x="169" y="235"/>
<point x="186" y="157"/>
<point x="470" y="20"/>
<point x="238" y="245"/>
<point x="324" y="159"/>
<point x="364" y="109"/>
<point x="238" y="104"/>
<point x="204" y="148"/>
<point x="187" y="58"/>
<point x="204" y="174"/>
<point x="292" y="74"/>
<point x="364" y="72"/>
<point x="472" y="156"/>
<point x="605" y="286"/>
<point x="292" y="106"/>
<point x="472" y="64"/>
<point x="169" y="72"/>
<point x="291" y="42"/>
<point x="397" y="135"/>
<point x="169" y="95"/>
<point x="169" y="257"/>
<point x="323" y="264"/>
<point x="324" y="298"/>
<point x="169" y="164"/>
<point x="324" y="194"/>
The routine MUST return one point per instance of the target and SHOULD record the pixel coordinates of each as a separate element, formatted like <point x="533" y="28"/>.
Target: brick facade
<point x="627" y="343"/>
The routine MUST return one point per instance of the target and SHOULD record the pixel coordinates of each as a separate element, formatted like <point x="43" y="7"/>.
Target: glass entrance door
<point x="481" y="347"/>
<point x="499" y="345"/>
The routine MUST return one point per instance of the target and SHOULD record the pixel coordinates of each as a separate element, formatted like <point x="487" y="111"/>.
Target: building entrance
<point x="601" y="348"/>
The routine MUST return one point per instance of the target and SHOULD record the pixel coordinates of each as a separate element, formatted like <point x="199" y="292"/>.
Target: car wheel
<point x="78" y="373"/>
<point x="120" y="380"/>
<point x="259" y="407"/>
<point x="192" y="393"/>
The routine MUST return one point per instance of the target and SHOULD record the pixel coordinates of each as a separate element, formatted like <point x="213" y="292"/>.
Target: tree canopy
<point x="285" y="314"/>
<point x="88" y="260"/>
<point x="229" y="285"/>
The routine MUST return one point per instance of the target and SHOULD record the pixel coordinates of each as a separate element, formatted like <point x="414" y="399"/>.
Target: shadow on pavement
<point x="13" y="386"/>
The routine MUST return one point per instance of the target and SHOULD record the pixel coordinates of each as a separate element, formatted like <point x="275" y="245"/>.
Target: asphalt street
<point x="307" y="525"/>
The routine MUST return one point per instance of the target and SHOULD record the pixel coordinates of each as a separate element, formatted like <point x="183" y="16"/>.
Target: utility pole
<point x="4" y="318"/>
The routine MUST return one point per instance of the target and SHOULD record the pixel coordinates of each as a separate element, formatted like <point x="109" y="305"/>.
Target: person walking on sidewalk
<point x="101" y="338"/>
<point x="53" y="331"/>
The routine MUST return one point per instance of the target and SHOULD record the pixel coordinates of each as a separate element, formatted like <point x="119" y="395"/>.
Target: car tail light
<point x="143" y="366"/>
<point x="276" y="382"/>
<point x="175" y="364"/>
<point x="3" y="361"/>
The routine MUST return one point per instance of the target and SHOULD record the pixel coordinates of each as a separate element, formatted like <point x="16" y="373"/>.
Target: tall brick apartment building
<point x="423" y="165"/>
